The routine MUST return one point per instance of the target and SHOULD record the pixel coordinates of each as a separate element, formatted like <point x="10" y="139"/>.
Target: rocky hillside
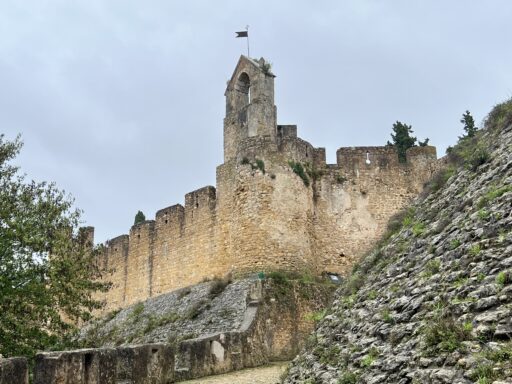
<point x="433" y="302"/>
<point x="203" y="309"/>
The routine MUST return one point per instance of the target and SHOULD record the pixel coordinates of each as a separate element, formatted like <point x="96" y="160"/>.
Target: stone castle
<point x="277" y="205"/>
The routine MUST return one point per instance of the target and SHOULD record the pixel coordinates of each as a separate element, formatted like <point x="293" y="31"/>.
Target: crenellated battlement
<point x="277" y="204"/>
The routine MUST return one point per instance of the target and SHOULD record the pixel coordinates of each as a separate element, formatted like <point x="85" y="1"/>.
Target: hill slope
<point x="433" y="303"/>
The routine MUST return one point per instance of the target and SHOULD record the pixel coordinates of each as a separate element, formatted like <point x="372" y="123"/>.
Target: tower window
<point x="243" y="85"/>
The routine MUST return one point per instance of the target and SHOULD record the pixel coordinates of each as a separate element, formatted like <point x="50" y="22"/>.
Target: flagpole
<point x="248" y="52"/>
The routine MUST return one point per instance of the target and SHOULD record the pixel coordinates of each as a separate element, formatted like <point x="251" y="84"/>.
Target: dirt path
<point x="268" y="374"/>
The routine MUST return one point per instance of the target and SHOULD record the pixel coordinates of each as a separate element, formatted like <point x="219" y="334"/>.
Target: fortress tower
<point x="277" y="205"/>
<point x="250" y="109"/>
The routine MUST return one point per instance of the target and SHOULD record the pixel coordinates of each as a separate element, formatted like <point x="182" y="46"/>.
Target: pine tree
<point x="402" y="139"/>
<point x="469" y="125"/>
<point x="139" y="218"/>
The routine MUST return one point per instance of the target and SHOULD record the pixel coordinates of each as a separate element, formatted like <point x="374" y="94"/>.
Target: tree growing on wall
<point x="403" y="140"/>
<point x="139" y="218"/>
<point x="47" y="273"/>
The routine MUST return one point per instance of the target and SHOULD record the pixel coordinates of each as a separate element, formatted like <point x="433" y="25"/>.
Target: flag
<point x="242" y="34"/>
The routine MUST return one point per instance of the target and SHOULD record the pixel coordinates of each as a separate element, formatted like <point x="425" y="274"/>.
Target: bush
<point x="195" y="310"/>
<point x="444" y="335"/>
<point x="260" y="165"/>
<point x="439" y="180"/>
<point x="298" y="169"/>
<point x="348" y="378"/>
<point x="218" y="285"/>
<point x="279" y="278"/>
<point x="500" y="116"/>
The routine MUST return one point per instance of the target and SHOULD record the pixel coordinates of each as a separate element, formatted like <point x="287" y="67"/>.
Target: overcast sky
<point x="121" y="102"/>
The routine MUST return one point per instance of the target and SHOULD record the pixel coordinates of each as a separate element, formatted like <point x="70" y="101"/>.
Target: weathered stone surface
<point x="13" y="371"/>
<point x="273" y="323"/>
<point x="434" y="303"/>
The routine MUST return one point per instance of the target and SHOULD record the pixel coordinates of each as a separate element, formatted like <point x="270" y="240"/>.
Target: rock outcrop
<point x="432" y="303"/>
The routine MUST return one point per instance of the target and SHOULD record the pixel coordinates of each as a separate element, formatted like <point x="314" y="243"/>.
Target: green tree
<point x="47" y="273"/>
<point x="139" y="218"/>
<point x="402" y="139"/>
<point x="469" y="125"/>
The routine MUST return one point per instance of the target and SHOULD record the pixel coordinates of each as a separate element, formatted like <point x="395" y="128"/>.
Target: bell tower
<point x="250" y="109"/>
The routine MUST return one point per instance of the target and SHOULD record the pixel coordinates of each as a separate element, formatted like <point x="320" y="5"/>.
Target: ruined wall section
<point x="355" y="199"/>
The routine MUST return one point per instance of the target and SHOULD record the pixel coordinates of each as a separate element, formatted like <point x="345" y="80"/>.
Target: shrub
<point x="218" y="285"/>
<point x="183" y="292"/>
<point x="195" y="310"/>
<point x="432" y="268"/>
<point x="245" y="161"/>
<point x="484" y="373"/>
<point x="418" y="229"/>
<point x="348" y="378"/>
<point x="483" y="214"/>
<point x="316" y="316"/>
<point x="386" y="316"/>
<point x="502" y="278"/>
<point x="353" y="283"/>
<point x="260" y="164"/>
<point x="493" y="194"/>
<point x="475" y="250"/>
<point x="479" y="157"/>
<point x="500" y="115"/>
<point x="438" y="180"/>
<point x="444" y="335"/>
<point x="455" y="243"/>
<point x="298" y="169"/>
<point x="279" y="277"/>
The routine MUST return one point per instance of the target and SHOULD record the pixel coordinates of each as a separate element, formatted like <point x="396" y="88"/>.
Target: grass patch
<point x="493" y="194"/>
<point x="348" y="377"/>
<point x="502" y="278"/>
<point x="299" y="170"/>
<point x="316" y="316"/>
<point x="431" y="268"/>
<point x="418" y="229"/>
<point x="444" y="335"/>
<point x="475" y="250"/>
<point x="454" y="244"/>
<point x="386" y="316"/>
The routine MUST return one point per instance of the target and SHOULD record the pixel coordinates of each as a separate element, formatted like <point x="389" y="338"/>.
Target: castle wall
<point x="263" y="216"/>
<point x="262" y="221"/>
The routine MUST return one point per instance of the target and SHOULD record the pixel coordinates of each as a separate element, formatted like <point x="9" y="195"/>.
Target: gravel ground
<point x="268" y="374"/>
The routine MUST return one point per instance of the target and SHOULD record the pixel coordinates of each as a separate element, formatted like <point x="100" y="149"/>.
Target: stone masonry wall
<point x="266" y="215"/>
<point x="267" y="219"/>
<point x="13" y="371"/>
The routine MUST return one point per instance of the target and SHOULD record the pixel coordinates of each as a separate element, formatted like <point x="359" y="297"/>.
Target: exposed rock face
<point x="433" y="304"/>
